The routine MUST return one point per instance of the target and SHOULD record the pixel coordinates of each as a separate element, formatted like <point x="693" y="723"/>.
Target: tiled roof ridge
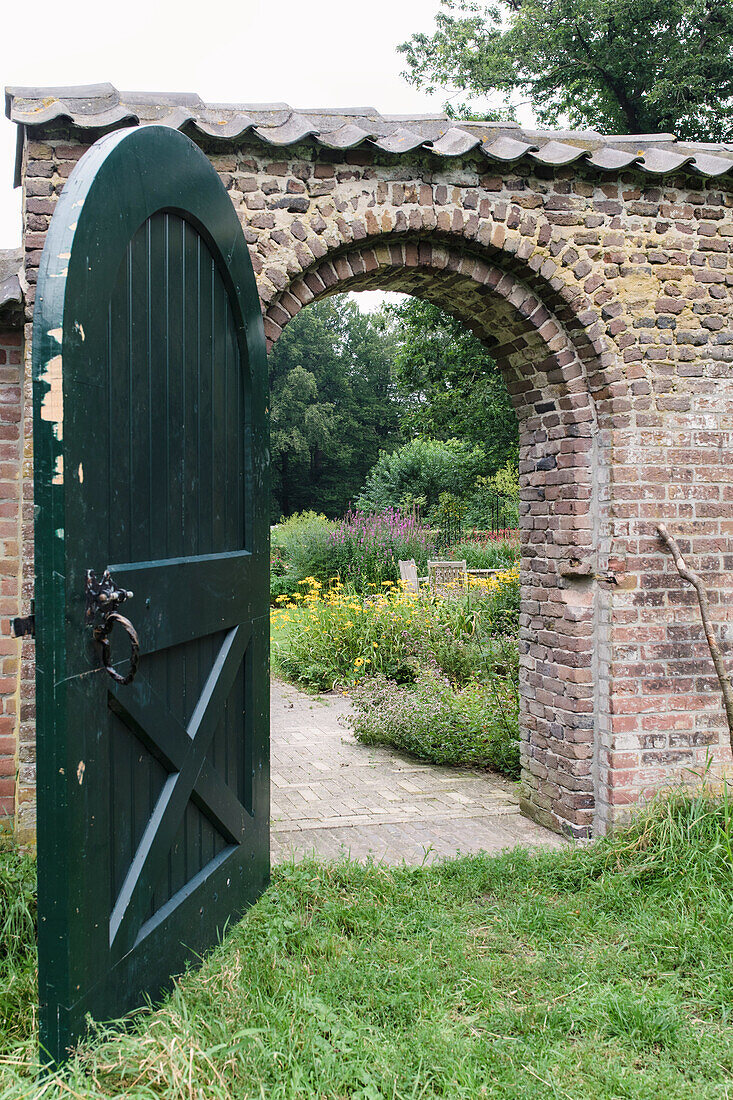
<point x="102" y="106"/>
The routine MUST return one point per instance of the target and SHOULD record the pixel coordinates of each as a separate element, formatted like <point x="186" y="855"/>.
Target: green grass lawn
<point x="583" y="973"/>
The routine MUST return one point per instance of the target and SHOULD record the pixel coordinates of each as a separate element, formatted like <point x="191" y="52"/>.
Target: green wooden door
<point x="151" y="461"/>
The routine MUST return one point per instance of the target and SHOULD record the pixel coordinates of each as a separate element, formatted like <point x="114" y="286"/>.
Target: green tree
<point x="332" y="405"/>
<point x="300" y="425"/>
<point x="623" y="66"/>
<point x="449" y="386"/>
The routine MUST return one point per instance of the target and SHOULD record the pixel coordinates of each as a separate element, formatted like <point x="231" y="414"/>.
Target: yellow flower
<point x="358" y="662"/>
<point x="349" y="622"/>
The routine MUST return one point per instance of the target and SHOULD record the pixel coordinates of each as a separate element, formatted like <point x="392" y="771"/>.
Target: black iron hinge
<point x="26" y="624"/>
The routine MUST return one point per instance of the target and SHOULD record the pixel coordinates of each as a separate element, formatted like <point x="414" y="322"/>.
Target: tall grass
<point x="17" y="946"/>
<point x="596" y="973"/>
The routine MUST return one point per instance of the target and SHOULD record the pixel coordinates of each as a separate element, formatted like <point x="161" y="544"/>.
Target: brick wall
<point x="10" y="474"/>
<point x="606" y="298"/>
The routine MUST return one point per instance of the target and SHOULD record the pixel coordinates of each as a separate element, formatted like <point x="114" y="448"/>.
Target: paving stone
<point x="333" y="796"/>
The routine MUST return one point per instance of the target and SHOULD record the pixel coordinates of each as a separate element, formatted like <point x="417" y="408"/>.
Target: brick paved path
<point x="331" y="795"/>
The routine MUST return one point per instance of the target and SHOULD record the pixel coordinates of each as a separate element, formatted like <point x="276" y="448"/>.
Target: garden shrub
<point x="506" y="480"/>
<point x="485" y="552"/>
<point x="476" y="725"/>
<point x="420" y="471"/>
<point x="283" y="584"/>
<point x="300" y="545"/>
<point x="463" y="658"/>
<point x="282" y="580"/>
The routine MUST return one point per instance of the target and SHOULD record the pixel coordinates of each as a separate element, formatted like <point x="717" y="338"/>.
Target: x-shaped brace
<point x="182" y="748"/>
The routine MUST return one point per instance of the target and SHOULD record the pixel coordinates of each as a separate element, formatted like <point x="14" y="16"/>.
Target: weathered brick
<point x="609" y="311"/>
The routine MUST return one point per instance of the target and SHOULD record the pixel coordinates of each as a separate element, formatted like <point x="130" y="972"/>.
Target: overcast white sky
<point x="305" y="52"/>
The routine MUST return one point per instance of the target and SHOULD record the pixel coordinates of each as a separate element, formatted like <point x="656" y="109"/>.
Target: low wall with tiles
<point x="605" y="297"/>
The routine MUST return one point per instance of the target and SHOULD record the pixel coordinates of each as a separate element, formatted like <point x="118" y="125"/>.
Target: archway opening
<point x="553" y="375"/>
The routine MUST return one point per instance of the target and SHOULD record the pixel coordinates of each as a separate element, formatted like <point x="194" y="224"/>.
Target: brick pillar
<point x="10" y="479"/>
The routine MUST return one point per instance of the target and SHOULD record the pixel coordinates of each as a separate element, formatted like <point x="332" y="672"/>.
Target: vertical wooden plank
<point x="234" y="732"/>
<point x="155" y="667"/>
<point x="141" y="454"/>
<point x="208" y="276"/>
<point x="218" y="428"/>
<point x="205" y="410"/>
<point x="158" y="421"/>
<point x="191" y="343"/>
<point x="221" y="459"/>
<point x="250" y="671"/>
<point x="118" y="416"/>
<point x="119" y="429"/>
<point x="143" y="786"/>
<point x="175" y="343"/>
<point x="191" y="493"/>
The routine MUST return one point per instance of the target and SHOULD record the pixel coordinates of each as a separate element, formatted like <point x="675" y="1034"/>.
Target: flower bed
<point x="361" y="550"/>
<point x="446" y="663"/>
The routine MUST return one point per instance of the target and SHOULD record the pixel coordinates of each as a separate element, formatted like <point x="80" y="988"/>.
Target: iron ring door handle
<point x="101" y="635"/>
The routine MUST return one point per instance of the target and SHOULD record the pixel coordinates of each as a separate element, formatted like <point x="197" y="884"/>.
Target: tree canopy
<point x="331" y="406"/>
<point x="448" y="384"/>
<point x="619" y="66"/>
<point x="347" y="388"/>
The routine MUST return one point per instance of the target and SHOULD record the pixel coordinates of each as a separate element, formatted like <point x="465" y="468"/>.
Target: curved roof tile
<point x="711" y="165"/>
<point x="401" y="140"/>
<point x="612" y="159"/>
<point x="507" y="148"/>
<point x="346" y="137"/>
<point x="103" y="107"/>
<point x="455" y="142"/>
<point x="558" y="152"/>
<point x="227" y="128"/>
<point x="291" y="132"/>
<point x="176" y="117"/>
<point x="661" y="161"/>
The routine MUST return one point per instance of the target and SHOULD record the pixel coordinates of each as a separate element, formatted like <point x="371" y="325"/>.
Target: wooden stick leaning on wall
<point x="692" y="578"/>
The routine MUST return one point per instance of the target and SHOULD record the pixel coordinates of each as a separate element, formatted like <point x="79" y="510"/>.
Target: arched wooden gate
<point x="151" y="466"/>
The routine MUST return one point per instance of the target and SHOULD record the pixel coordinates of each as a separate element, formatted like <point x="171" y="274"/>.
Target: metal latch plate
<point x="25" y="625"/>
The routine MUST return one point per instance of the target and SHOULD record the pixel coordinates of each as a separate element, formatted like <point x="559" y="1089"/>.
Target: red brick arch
<point x="606" y="290"/>
<point x="562" y="389"/>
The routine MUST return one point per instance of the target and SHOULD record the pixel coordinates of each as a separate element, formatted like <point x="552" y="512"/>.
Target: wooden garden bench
<point x="447" y="576"/>
<point x="409" y="577"/>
